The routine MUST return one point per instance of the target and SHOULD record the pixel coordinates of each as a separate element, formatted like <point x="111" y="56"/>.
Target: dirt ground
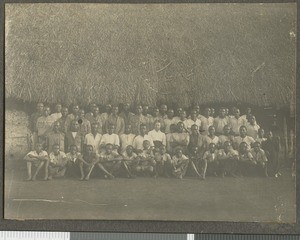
<point x="215" y="199"/>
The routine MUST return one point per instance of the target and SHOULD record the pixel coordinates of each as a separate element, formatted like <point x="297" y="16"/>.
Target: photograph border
<point x="145" y="226"/>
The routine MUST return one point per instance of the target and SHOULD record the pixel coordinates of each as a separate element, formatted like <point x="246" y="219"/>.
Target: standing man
<point x="62" y="120"/>
<point x="139" y="139"/>
<point x="193" y="120"/>
<point x="32" y="122"/>
<point x="95" y="117"/>
<point x="206" y="121"/>
<point x="73" y="137"/>
<point x="139" y="119"/>
<point x="116" y="120"/>
<point x="57" y="114"/>
<point x="158" y="137"/>
<point x="168" y="121"/>
<point x="236" y="122"/>
<point x="43" y="126"/>
<point x="72" y="116"/>
<point x="126" y="139"/>
<point x="93" y="139"/>
<point x="56" y="136"/>
<point x="221" y="121"/>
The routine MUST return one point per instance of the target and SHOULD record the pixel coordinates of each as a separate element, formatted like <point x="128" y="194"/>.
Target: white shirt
<point x="252" y="130"/>
<point x="57" y="159"/>
<point x="189" y="123"/>
<point x="110" y="138"/>
<point x="74" y="134"/>
<point x="138" y="141"/>
<point x="219" y="124"/>
<point x="90" y="139"/>
<point x="55" y="116"/>
<point x="158" y="136"/>
<point x="126" y="140"/>
<point x="249" y="140"/>
<point x="236" y="123"/>
<point x="167" y="123"/>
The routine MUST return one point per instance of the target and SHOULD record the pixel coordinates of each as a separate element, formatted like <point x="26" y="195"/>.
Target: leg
<point x="46" y="170"/>
<point x="203" y="168"/>
<point x="89" y="173"/>
<point x="195" y="168"/>
<point x="81" y="170"/>
<point x="28" y="164"/>
<point x="104" y="170"/>
<point x="37" y="170"/>
<point x="128" y="172"/>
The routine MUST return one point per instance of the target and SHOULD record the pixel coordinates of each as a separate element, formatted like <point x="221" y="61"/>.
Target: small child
<point x="259" y="157"/>
<point x="179" y="164"/>
<point x="161" y="157"/>
<point x="146" y="164"/>
<point x="129" y="161"/>
<point x="38" y="158"/>
<point x="57" y="162"/>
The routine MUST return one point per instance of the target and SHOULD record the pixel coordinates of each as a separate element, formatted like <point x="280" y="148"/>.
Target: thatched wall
<point x="146" y="53"/>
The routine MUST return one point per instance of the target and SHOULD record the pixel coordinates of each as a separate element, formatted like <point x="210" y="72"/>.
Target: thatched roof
<point x="143" y="53"/>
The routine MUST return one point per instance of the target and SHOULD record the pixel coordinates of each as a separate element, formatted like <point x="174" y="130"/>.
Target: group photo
<point x="165" y="112"/>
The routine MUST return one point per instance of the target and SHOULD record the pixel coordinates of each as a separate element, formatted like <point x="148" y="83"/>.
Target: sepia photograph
<point x="166" y="112"/>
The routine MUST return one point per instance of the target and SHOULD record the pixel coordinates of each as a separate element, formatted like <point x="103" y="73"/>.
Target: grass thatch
<point x="147" y="53"/>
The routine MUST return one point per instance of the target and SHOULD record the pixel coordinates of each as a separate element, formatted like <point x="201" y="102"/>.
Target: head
<point x="243" y="131"/>
<point x="108" y="148"/>
<point x="96" y="111"/>
<point x="157" y="125"/>
<point x="81" y="113"/>
<point x="180" y="127"/>
<point x="162" y="149"/>
<point x="269" y="134"/>
<point x="40" y="107"/>
<point x="89" y="149"/>
<point x="55" y="148"/>
<point x="197" y="109"/>
<point x="248" y="110"/>
<point x="252" y="119"/>
<point x="261" y="132"/>
<point x="56" y="126"/>
<point x="94" y="128"/>
<point x="92" y="107"/>
<point x="227" y="146"/>
<point x="243" y="147"/>
<point x="232" y="110"/>
<point x="226" y="130"/>
<point x="58" y="108"/>
<point x="64" y="112"/>
<point x="194" y="129"/>
<point x="46" y="111"/>
<point x="146" y="144"/>
<point x="143" y="129"/>
<point x="128" y="128"/>
<point x="170" y="113"/>
<point x="38" y="147"/>
<point x="194" y="114"/>
<point x="178" y="152"/>
<point x="212" y="147"/>
<point x="222" y="112"/>
<point x="74" y="126"/>
<point x="155" y="112"/>
<point x="129" y="149"/>
<point x="194" y="150"/>
<point x="73" y="149"/>
<point x="163" y="109"/>
<point x="256" y="146"/>
<point x="212" y="112"/>
<point x="115" y="110"/>
<point x="211" y="130"/>
<point x="139" y="110"/>
<point x="207" y="112"/>
<point x="178" y="111"/>
<point x="108" y="108"/>
<point x="75" y="109"/>
<point x="111" y="129"/>
<point x="126" y="107"/>
<point x="237" y="113"/>
<point x="145" y="109"/>
<point x="226" y="111"/>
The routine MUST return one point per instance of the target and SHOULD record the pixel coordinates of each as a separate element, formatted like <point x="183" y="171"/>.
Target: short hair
<point x="72" y="146"/>
<point x="55" y="144"/>
<point x="157" y="121"/>
<point x="89" y="146"/>
<point x="194" y="125"/>
<point x="143" y="125"/>
<point x="243" y="126"/>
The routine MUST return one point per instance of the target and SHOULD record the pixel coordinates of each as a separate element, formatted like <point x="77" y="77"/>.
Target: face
<point x="212" y="111"/>
<point x="111" y="129"/>
<point x="222" y="112"/>
<point x="227" y="146"/>
<point x="38" y="147"/>
<point x="163" y="108"/>
<point x="211" y="130"/>
<point x="269" y="134"/>
<point x="252" y="120"/>
<point x="146" y="144"/>
<point x="81" y="113"/>
<point x="94" y="127"/>
<point x="55" y="149"/>
<point x="194" y="129"/>
<point x="183" y="114"/>
<point x="75" y="109"/>
<point x="243" y="147"/>
<point x="108" y="149"/>
<point x="143" y="129"/>
<point x="129" y="150"/>
<point x="212" y="147"/>
<point x="92" y="107"/>
<point x="73" y="149"/>
<point x="237" y="112"/>
<point x="226" y="111"/>
<point x="115" y="110"/>
<point x="128" y="128"/>
<point x="256" y="146"/>
<point x="261" y="132"/>
<point x="126" y="107"/>
<point x="96" y="111"/>
<point x="195" y="150"/>
<point x="46" y="111"/>
<point x="75" y="126"/>
<point x="197" y="109"/>
<point x="56" y="126"/>
<point x="64" y="112"/>
<point x="170" y="113"/>
<point x="226" y="130"/>
<point x="248" y="111"/>
<point x="108" y="108"/>
<point x="155" y="112"/>
<point x="145" y="109"/>
<point x="139" y="110"/>
<point x="243" y="131"/>
<point x="157" y="126"/>
<point x="207" y="111"/>
<point x="179" y="110"/>
<point x="58" y="108"/>
<point x="194" y="114"/>
<point x="179" y="153"/>
<point x="180" y="127"/>
<point x="89" y="149"/>
<point x="40" y="107"/>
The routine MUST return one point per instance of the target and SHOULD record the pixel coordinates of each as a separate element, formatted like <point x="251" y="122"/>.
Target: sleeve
<point x="117" y="140"/>
<point x="44" y="154"/>
<point x="85" y="140"/>
<point x="122" y="126"/>
<point x="102" y="141"/>
<point x="63" y="155"/>
<point x="134" y="144"/>
<point x="205" y="156"/>
<point x="151" y="141"/>
<point x="164" y="140"/>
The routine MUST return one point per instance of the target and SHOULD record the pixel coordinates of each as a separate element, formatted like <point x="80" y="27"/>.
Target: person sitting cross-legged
<point x="179" y="164"/>
<point x="130" y="161"/>
<point x="260" y="158"/>
<point x="146" y="163"/>
<point x="57" y="162"/>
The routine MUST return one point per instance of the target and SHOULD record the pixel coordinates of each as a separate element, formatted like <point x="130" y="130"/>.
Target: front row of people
<point x="147" y="162"/>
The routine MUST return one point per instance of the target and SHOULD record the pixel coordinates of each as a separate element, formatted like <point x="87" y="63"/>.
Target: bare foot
<point x="28" y="179"/>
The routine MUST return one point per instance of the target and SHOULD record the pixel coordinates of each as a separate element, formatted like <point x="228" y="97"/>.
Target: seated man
<point x="90" y="160"/>
<point x="130" y="161"/>
<point x="38" y="158"/>
<point x="210" y="157"/>
<point x="74" y="161"/>
<point x="227" y="159"/>
<point x="246" y="163"/>
<point x="197" y="163"/>
<point x="57" y="162"/>
<point x="110" y="138"/>
<point x="260" y="158"/>
<point x="179" y="164"/>
<point x="161" y="158"/>
<point x="146" y="163"/>
<point x="110" y="161"/>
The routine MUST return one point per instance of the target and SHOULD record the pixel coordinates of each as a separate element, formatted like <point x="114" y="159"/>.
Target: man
<point x="139" y="119"/>
<point x="33" y="118"/>
<point x="139" y="139"/>
<point x="146" y="111"/>
<point x="56" y="136"/>
<point x="259" y="156"/>
<point x="193" y="120"/>
<point x="93" y="139"/>
<point x="107" y="112"/>
<point x="57" y="114"/>
<point x="110" y="138"/>
<point x="163" y="111"/>
<point x="157" y="136"/>
<point x="206" y="121"/>
<point x="179" y="139"/>
<point x="243" y="137"/>
<point x="116" y="120"/>
<point x="197" y="163"/>
<point x="126" y="139"/>
<point x="236" y="122"/>
<point x="181" y="118"/>
<point x="211" y="138"/>
<point x="43" y="126"/>
<point x="73" y="137"/>
<point x="62" y="120"/>
<point x="252" y="127"/>
<point x="84" y="124"/>
<point x="168" y="121"/>
<point x="126" y="114"/>
<point x="226" y="136"/>
<point x="90" y="160"/>
<point x="74" y="160"/>
<point x="71" y="117"/>
<point x="227" y="160"/>
<point x="248" y="113"/>
<point x="90" y="114"/>
<point x="246" y="163"/>
<point x="95" y="117"/>
<point x="196" y="140"/>
<point x="179" y="164"/>
<point x="38" y="158"/>
<point x="57" y="162"/>
<point x="220" y="121"/>
<point x="156" y="117"/>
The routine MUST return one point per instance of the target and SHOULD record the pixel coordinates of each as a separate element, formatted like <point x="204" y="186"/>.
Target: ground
<point x="215" y="199"/>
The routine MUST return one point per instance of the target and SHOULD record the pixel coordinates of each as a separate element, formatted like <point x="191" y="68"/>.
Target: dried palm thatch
<point x="144" y="53"/>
